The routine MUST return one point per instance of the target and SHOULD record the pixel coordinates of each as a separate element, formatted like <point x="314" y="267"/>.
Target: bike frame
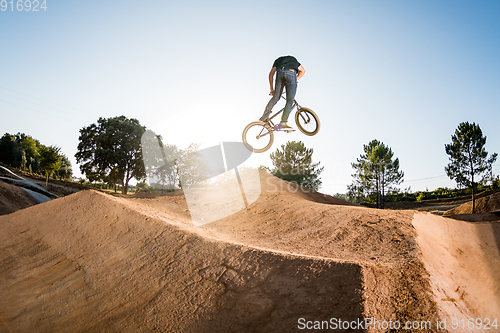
<point x="303" y="116"/>
<point x="294" y="105"/>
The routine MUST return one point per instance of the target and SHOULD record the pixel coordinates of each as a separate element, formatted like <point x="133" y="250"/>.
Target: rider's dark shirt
<point x="286" y="62"/>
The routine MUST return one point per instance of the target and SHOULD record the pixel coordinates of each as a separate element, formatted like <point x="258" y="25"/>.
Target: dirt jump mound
<point x="292" y="260"/>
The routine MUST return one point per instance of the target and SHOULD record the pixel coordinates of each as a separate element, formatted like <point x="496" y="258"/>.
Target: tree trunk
<point x="473" y="185"/>
<point x="382" y="198"/>
<point x="178" y="174"/>
<point x="473" y="200"/>
<point x="473" y="192"/>
<point x="124" y="188"/>
<point x="127" y="179"/>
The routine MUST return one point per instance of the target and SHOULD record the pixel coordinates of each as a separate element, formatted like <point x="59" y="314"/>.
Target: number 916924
<point x="23" y="5"/>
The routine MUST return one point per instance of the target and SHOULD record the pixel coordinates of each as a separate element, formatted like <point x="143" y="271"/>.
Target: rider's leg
<point x="278" y="90"/>
<point x="291" y="88"/>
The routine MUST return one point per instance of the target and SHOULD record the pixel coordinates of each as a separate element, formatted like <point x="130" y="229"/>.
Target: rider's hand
<point x="271" y="93"/>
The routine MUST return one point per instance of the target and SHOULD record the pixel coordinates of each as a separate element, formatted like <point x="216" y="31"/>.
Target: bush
<point x="420" y="196"/>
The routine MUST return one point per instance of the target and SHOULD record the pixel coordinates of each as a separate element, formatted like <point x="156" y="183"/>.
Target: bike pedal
<point x="277" y="128"/>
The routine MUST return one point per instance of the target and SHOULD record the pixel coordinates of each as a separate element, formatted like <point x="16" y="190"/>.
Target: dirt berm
<point x="13" y="198"/>
<point x="486" y="204"/>
<point x="91" y="262"/>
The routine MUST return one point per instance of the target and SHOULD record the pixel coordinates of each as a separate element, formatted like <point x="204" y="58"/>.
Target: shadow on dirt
<point x="478" y="217"/>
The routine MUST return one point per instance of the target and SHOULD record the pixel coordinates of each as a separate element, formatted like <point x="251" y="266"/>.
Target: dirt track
<point x="13" y="198"/>
<point x="93" y="262"/>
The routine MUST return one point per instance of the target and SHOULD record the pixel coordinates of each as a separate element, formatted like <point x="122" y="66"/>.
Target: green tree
<point x="19" y="151"/>
<point x="65" y="171"/>
<point x="7" y="144"/>
<point x="159" y="160"/>
<point x="31" y="149"/>
<point x="376" y="174"/>
<point x="24" y="161"/>
<point x="169" y="171"/>
<point x="182" y="168"/>
<point x="142" y="186"/>
<point x="341" y="196"/>
<point x="190" y="165"/>
<point x="469" y="162"/>
<point x="114" y="177"/>
<point x="293" y="163"/>
<point x="49" y="161"/>
<point x="112" y="143"/>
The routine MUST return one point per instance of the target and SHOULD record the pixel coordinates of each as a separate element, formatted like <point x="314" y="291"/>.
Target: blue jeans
<point x="284" y="78"/>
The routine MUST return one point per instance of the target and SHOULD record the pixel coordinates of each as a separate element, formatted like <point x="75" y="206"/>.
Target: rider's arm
<point x="302" y="71"/>
<point x="271" y="75"/>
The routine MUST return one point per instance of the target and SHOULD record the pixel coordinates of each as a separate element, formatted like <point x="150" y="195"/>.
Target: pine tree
<point x="293" y="163"/>
<point x="469" y="162"/>
<point x="376" y="173"/>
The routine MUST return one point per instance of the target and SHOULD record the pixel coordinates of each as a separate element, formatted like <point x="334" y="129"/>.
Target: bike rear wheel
<point x="307" y="121"/>
<point x="258" y="136"/>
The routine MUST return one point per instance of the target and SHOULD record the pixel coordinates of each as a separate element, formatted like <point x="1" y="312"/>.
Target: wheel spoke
<point x="258" y="137"/>
<point x="307" y="121"/>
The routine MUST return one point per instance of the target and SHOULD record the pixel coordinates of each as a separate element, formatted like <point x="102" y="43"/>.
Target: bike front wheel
<point x="307" y="121"/>
<point x="258" y="137"/>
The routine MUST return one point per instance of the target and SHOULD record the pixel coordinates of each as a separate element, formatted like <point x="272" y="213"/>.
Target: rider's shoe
<point x="282" y="126"/>
<point x="264" y="117"/>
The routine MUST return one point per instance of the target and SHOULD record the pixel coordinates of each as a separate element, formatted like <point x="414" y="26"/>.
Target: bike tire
<point x="307" y="121"/>
<point x="262" y="129"/>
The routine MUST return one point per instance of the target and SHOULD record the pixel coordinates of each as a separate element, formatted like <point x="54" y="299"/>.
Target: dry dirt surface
<point x="13" y="198"/>
<point x="483" y="205"/>
<point x="92" y="262"/>
<point x="464" y="263"/>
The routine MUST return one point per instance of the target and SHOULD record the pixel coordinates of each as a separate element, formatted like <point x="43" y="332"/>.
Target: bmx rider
<point x="289" y="70"/>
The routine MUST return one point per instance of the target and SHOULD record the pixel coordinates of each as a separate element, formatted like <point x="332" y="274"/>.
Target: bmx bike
<point x="258" y="136"/>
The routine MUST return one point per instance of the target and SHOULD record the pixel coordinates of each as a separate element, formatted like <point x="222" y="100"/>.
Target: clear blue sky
<point x="403" y="72"/>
